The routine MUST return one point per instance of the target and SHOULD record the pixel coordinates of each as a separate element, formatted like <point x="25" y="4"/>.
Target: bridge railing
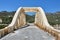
<point x="52" y="31"/>
<point x="16" y="23"/>
<point x="42" y="23"/>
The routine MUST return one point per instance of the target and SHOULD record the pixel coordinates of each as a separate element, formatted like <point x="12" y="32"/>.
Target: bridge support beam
<point x="42" y="23"/>
<point x="19" y="20"/>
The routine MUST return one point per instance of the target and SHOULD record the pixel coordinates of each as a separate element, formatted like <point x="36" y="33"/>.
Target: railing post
<point x="0" y="33"/>
<point x="18" y="22"/>
<point x="58" y="37"/>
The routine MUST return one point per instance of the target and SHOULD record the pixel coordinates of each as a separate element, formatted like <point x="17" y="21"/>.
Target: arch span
<point x="41" y="21"/>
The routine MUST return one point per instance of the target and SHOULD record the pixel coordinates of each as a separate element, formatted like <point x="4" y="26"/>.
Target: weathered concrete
<point x="40" y="20"/>
<point x="29" y="33"/>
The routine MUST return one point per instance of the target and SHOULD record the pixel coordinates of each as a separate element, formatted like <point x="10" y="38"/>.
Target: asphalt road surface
<point x="30" y="32"/>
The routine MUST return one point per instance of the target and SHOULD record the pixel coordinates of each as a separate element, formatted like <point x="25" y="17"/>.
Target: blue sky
<point x="47" y="5"/>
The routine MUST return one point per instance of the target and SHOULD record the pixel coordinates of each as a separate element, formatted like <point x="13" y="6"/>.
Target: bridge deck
<point x="28" y="33"/>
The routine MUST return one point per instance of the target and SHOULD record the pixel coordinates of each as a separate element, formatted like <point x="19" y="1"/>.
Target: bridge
<point x="19" y="29"/>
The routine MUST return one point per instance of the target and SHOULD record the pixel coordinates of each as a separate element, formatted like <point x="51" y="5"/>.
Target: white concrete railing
<point x="17" y="22"/>
<point x="41" y="22"/>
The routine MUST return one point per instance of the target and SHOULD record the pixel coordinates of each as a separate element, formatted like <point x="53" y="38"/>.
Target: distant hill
<point x="53" y="18"/>
<point x="5" y="13"/>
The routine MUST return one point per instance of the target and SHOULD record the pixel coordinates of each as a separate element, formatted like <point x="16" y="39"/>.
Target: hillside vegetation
<point x="53" y="18"/>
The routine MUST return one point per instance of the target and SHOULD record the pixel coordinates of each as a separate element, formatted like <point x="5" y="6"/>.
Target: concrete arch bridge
<point x="19" y="20"/>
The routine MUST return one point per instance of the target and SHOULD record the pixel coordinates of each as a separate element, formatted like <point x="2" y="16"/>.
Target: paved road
<point x="28" y="33"/>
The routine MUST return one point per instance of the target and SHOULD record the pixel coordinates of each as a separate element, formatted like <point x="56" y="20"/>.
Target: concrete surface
<point x="30" y="32"/>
